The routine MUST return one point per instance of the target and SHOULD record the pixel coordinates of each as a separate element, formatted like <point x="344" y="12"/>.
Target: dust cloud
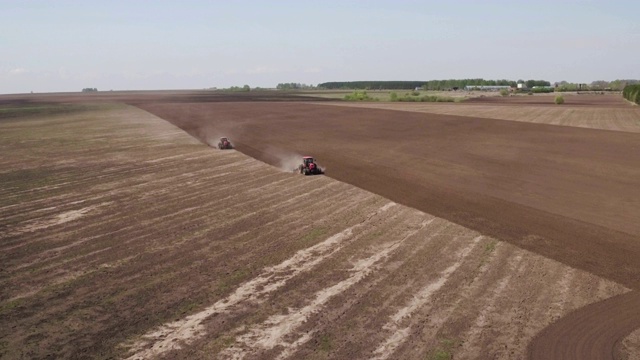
<point x="285" y="160"/>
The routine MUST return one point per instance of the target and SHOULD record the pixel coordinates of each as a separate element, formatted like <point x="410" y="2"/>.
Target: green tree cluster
<point x="598" y="85"/>
<point x="531" y="83"/>
<point x="371" y="85"/>
<point x="359" y="96"/>
<point x="632" y="93"/>
<point x="294" y="86"/>
<point x="89" y="89"/>
<point x="415" y="97"/>
<point x="619" y="85"/>
<point x="542" y="90"/>
<point x="245" y="88"/>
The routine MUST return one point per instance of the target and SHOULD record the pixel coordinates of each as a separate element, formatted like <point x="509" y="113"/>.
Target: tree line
<point x="294" y="86"/>
<point x="598" y="85"/>
<point x="632" y="93"/>
<point x="427" y="85"/>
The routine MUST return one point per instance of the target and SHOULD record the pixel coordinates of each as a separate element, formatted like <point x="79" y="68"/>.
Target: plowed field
<point x="121" y="236"/>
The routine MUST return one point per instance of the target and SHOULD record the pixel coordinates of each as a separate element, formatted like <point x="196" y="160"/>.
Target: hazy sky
<point x="68" y="45"/>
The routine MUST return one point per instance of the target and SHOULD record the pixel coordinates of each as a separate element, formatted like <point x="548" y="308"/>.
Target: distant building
<point x="487" y="87"/>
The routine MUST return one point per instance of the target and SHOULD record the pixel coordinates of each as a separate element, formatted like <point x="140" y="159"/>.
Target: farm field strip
<point x="68" y="254"/>
<point x="272" y="331"/>
<point x="47" y="260"/>
<point x="420" y="299"/>
<point x="618" y="119"/>
<point x="271" y="279"/>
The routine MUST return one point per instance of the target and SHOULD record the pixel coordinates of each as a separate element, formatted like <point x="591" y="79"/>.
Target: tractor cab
<point x="309" y="166"/>
<point x="306" y="160"/>
<point x="224" y="143"/>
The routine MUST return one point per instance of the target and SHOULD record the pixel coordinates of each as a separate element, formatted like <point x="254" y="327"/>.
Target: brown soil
<point x="403" y="284"/>
<point x="569" y="194"/>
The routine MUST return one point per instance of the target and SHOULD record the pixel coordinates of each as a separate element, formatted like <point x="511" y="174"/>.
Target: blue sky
<point x="48" y="46"/>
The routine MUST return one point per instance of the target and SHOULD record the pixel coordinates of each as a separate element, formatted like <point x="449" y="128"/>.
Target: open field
<point x="124" y="237"/>
<point x="606" y="112"/>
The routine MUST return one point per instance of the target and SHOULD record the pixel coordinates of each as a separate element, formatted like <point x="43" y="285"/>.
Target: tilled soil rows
<point x="570" y="194"/>
<point x="123" y="237"/>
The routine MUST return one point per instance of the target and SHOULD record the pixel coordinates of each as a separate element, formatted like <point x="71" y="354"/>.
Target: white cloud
<point x="18" y="71"/>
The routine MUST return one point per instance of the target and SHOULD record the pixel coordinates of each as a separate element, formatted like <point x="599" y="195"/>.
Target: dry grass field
<point x="615" y="115"/>
<point x="123" y="237"/>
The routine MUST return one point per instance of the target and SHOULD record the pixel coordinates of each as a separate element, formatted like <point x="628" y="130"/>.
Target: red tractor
<point x="309" y="166"/>
<point x="224" y="144"/>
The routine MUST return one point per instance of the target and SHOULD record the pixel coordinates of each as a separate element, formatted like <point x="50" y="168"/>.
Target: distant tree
<point x="599" y="85"/>
<point x="89" y="89"/>
<point x="359" y="96"/>
<point x="294" y="86"/>
<point x="246" y="88"/>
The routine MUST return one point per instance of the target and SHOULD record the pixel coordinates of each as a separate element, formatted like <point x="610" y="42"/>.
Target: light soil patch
<point x="631" y="346"/>
<point x="59" y="219"/>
